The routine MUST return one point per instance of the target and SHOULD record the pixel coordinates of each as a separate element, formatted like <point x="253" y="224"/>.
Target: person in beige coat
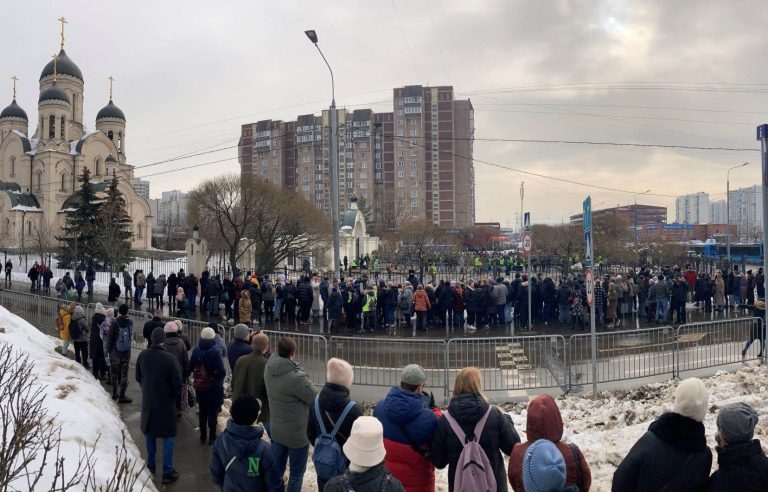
<point x="719" y="292"/>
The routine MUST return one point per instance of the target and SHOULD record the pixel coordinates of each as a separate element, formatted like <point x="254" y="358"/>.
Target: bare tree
<point x="226" y="208"/>
<point x="290" y="227"/>
<point x="30" y="440"/>
<point x="43" y="241"/>
<point x="421" y="244"/>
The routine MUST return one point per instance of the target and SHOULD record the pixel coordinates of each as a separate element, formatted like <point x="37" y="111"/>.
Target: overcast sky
<point x="189" y="73"/>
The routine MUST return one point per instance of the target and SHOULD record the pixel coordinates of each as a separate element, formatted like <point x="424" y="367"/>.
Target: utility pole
<point x="762" y="135"/>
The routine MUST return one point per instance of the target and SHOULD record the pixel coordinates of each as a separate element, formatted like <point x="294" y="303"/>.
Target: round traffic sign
<point x="590" y="281"/>
<point x="527" y="243"/>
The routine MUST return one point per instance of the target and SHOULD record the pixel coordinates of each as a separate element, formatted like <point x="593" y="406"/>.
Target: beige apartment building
<point x="414" y="163"/>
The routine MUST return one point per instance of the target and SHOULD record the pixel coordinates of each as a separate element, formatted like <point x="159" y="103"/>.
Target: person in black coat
<point x="673" y="454"/>
<point x="304" y="298"/>
<point x="208" y="353"/>
<point x="467" y="408"/>
<point x="96" y="345"/>
<point x="114" y="290"/>
<point x="240" y="344"/>
<point x="149" y="326"/>
<point x="173" y="282"/>
<point x="332" y="399"/>
<point x="159" y="375"/>
<point x="742" y="465"/>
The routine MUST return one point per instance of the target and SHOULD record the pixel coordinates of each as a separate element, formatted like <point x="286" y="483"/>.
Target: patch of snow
<point x="98" y="287"/>
<point x="74" y="399"/>
<point x="25" y="208"/>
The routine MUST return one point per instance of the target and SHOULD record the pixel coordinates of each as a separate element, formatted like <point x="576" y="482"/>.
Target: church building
<point x="38" y="170"/>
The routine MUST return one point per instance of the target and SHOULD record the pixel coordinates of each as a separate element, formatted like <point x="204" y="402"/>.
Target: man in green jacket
<point x="248" y="376"/>
<point x="290" y="394"/>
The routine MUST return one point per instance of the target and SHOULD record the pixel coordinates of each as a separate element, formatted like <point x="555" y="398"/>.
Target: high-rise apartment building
<point x="717" y="212"/>
<point x="141" y="187"/>
<point x="746" y="211"/>
<point x="414" y="163"/>
<point x="692" y="209"/>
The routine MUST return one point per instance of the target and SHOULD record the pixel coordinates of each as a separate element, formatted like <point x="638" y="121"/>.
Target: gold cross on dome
<point x="111" y="79"/>
<point x="55" y="58"/>
<point x="14" y="78"/>
<point x="63" y="21"/>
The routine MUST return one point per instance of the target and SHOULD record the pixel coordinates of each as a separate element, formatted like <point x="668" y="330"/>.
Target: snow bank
<point x="605" y="429"/>
<point x="74" y="399"/>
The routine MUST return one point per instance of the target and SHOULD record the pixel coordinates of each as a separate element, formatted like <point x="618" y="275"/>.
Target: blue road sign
<point x="762" y="132"/>
<point x="527" y="221"/>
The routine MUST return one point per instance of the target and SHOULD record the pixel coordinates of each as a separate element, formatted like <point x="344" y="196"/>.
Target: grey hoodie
<point x="290" y="394"/>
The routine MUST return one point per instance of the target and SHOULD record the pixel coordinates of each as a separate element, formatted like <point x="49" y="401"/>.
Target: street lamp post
<point x="728" y="213"/>
<point x="334" y="162"/>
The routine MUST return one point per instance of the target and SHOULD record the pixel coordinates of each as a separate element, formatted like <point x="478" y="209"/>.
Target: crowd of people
<point x="277" y="415"/>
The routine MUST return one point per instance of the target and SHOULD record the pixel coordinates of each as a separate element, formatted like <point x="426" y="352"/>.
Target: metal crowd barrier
<point x="623" y="355"/>
<point x="311" y="352"/>
<point x="512" y="364"/>
<point x="379" y="362"/>
<point x="715" y="343"/>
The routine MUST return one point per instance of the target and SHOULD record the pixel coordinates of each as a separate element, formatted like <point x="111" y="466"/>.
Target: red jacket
<point x="401" y="408"/>
<point x="545" y="422"/>
<point x="690" y="277"/>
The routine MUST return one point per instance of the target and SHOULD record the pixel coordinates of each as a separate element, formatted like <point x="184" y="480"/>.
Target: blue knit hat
<point x="543" y="468"/>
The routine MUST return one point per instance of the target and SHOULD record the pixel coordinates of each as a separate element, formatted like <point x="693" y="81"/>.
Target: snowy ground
<point x="98" y="287"/>
<point x="74" y="399"/>
<point x="605" y="429"/>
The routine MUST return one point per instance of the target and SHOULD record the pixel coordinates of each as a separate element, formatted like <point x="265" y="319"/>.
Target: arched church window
<point x="13" y="166"/>
<point x="29" y="227"/>
<point x="6" y="227"/>
<point x="120" y="141"/>
<point x="98" y="166"/>
<point x="139" y="231"/>
<point x="52" y="127"/>
<point x="61" y="130"/>
<point x="63" y="182"/>
<point x="39" y="180"/>
<point x="110" y="135"/>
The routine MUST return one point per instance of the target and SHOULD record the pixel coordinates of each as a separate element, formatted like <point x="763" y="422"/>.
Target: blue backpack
<point x="328" y="458"/>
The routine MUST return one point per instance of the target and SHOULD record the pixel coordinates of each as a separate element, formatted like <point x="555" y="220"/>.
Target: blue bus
<point x="751" y="253"/>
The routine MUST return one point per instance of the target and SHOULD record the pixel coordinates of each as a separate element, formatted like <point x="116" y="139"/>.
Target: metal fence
<point x="311" y="352"/>
<point x="512" y="364"/>
<point x="379" y="362"/>
<point x="622" y="355"/>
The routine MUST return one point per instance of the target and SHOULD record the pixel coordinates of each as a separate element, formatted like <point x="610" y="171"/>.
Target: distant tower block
<point x="197" y="253"/>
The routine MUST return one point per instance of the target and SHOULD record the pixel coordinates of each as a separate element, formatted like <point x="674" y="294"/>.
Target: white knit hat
<point x="365" y="445"/>
<point x="207" y="334"/>
<point x="691" y="399"/>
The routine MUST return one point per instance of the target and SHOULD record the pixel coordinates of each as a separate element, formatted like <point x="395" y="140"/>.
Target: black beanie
<point x="158" y="336"/>
<point x="245" y="410"/>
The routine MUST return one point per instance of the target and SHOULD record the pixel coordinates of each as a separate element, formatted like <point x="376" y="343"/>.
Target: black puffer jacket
<point x="672" y="456"/>
<point x="375" y="479"/>
<point x="499" y="434"/>
<point x="333" y="399"/>
<point x="742" y="467"/>
<point x="97" y="345"/>
<point x="304" y="292"/>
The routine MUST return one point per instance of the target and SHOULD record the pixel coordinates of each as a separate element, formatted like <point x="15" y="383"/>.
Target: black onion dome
<point x="110" y="158"/>
<point x="13" y="110"/>
<point x="64" y="66"/>
<point x="54" y="92"/>
<point x="111" y="111"/>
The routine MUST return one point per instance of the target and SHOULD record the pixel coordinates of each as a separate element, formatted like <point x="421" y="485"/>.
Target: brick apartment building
<point x="414" y="163"/>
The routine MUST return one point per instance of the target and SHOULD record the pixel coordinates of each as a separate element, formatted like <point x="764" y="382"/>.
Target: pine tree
<point x="80" y="225"/>
<point x="114" y="229"/>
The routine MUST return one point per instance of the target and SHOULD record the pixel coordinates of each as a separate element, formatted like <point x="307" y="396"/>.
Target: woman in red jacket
<point x="421" y="305"/>
<point x="544" y="422"/>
